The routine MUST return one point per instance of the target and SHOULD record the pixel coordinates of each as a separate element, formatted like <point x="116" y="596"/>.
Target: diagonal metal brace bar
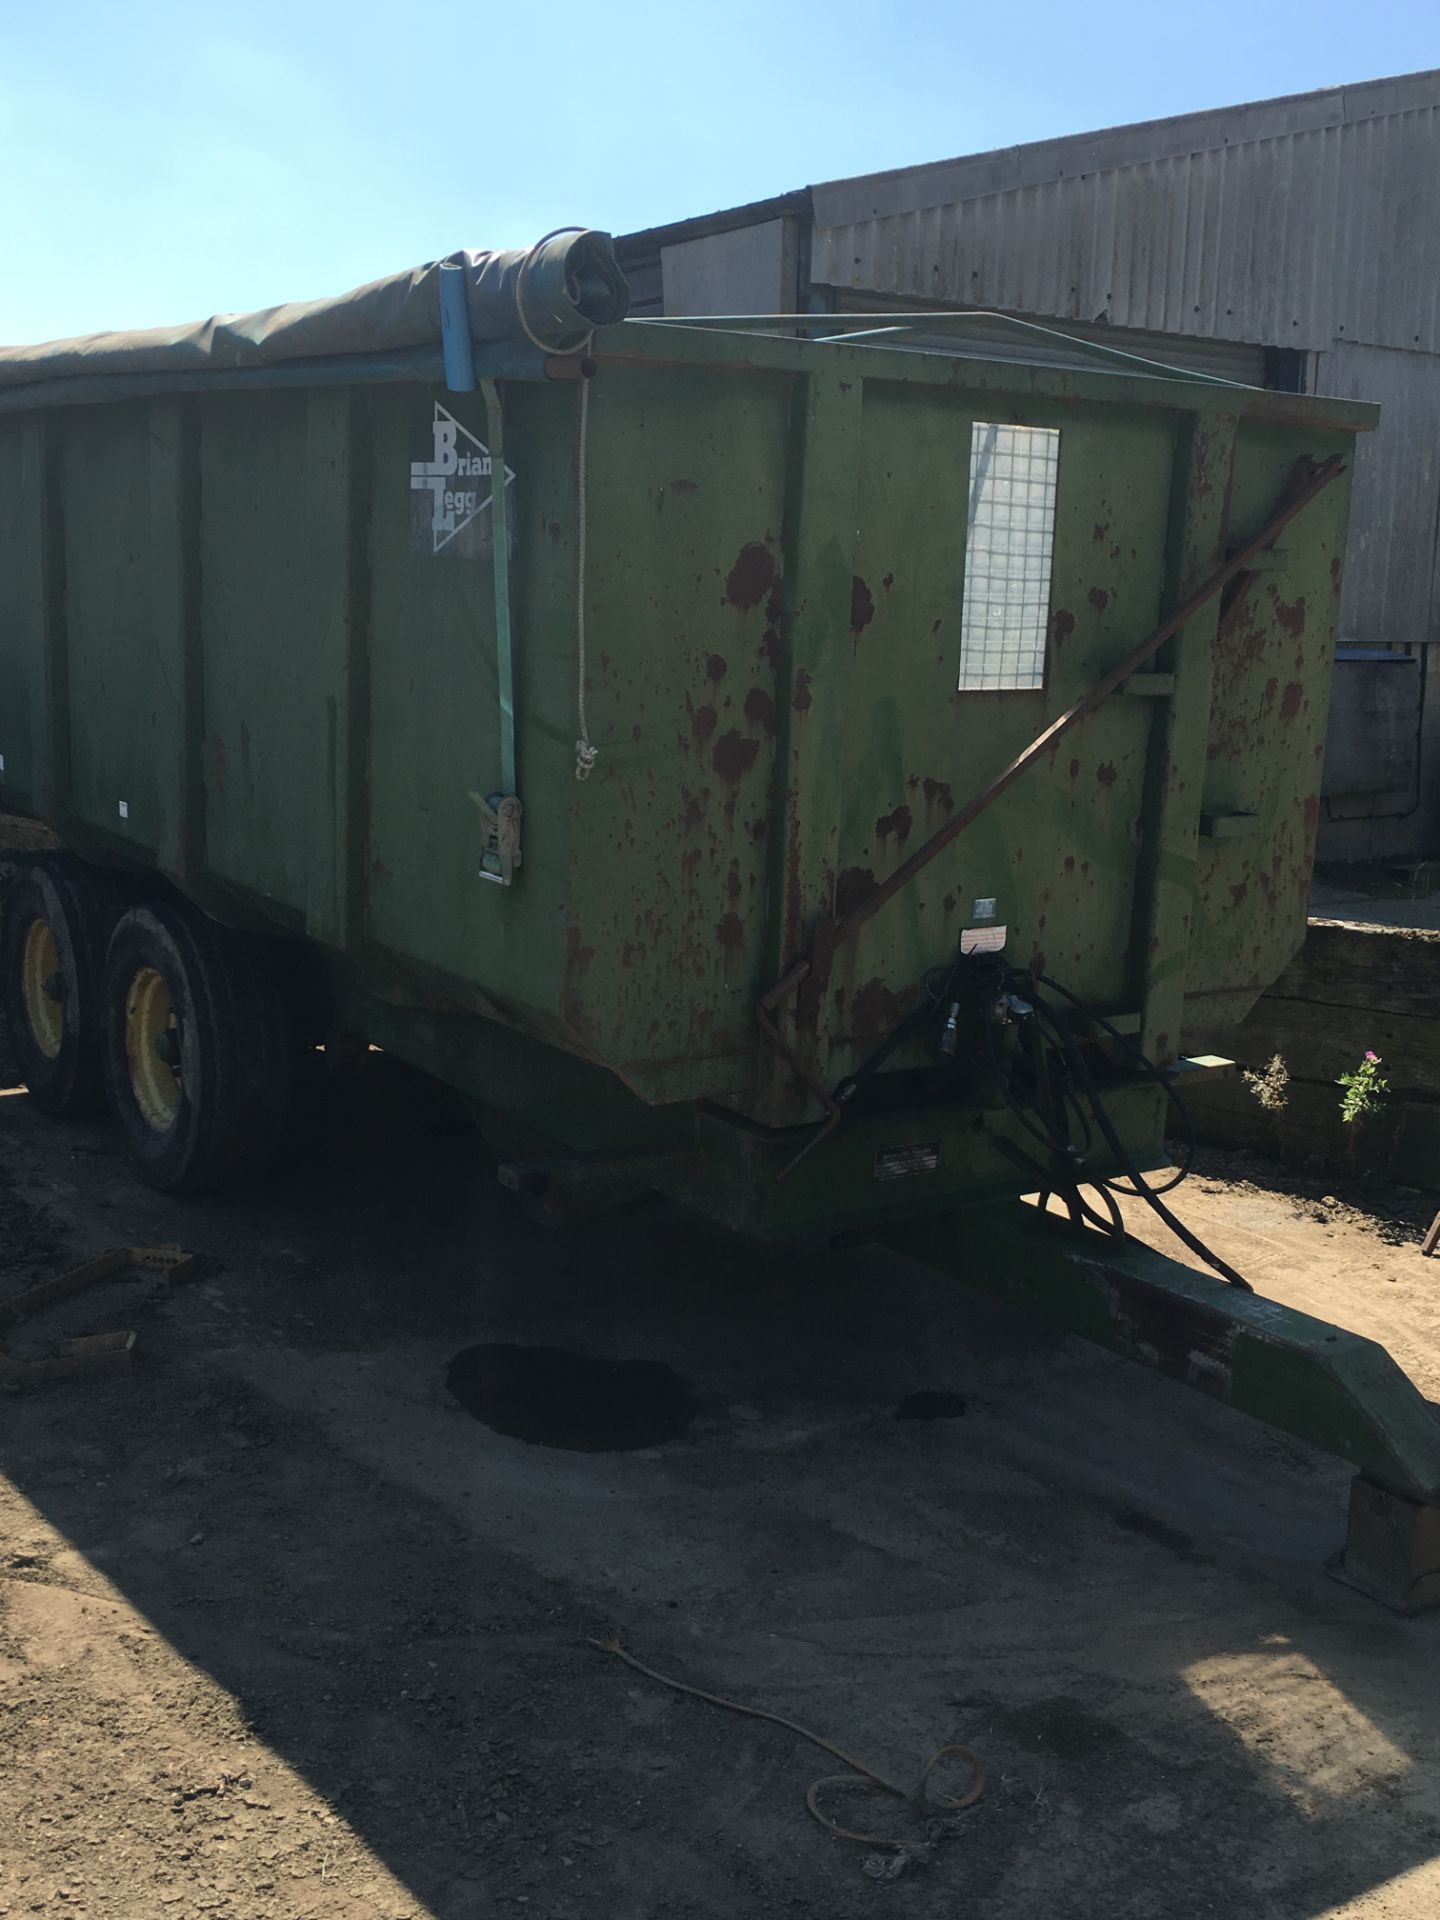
<point x="831" y="933"/>
<point x="1337" y="1390"/>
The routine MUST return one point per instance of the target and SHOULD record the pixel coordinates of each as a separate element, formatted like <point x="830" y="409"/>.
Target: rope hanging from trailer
<point x="586" y="752"/>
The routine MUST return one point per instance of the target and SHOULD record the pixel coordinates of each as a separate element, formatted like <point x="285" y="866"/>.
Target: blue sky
<point x="162" y="162"/>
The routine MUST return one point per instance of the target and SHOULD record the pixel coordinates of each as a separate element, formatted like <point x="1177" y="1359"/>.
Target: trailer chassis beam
<point x="1337" y="1390"/>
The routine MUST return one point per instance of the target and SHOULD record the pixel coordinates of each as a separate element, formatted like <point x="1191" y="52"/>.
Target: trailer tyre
<point x="58" y="916"/>
<point x="197" y="1048"/>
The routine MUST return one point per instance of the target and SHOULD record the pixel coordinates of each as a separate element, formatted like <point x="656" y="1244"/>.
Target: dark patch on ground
<point x="1146" y="1524"/>
<point x="931" y="1405"/>
<point x="554" y="1398"/>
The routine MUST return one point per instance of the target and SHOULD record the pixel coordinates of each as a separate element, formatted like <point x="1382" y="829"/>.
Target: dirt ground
<point x="285" y="1633"/>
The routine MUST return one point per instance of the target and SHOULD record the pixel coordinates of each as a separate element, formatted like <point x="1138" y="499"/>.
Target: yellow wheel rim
<point x="152" y="1048"/>
<point x="43" y="986"/>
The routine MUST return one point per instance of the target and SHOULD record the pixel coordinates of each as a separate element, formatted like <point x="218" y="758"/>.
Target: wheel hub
<point x="153" y="1048"/>
<point x="43" y="988"/>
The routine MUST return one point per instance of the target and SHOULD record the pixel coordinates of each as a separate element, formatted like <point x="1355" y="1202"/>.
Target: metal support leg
<point x="1337" y="1390"/>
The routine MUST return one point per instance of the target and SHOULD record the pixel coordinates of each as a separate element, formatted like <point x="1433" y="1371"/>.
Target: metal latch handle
<point x="500" y="853"/>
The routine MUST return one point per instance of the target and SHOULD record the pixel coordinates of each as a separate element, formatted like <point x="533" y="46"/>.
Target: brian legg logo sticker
<point x="451" y="491"/>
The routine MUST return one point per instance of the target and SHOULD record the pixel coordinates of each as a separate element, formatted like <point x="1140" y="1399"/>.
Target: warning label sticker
<point x="450" y="493"/>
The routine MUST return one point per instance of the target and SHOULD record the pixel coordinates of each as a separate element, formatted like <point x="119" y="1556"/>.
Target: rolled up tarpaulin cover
<point x="566" y="285"/>
<point x="569" y="283"/>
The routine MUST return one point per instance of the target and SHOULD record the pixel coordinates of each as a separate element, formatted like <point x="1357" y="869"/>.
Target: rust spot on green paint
<point x="854" y="885"/>
<point x="801" y="701"/>
<point x="1062" y="625"/>
<point x="751" y="577"/>
<point x="1291" y="615"/>
<point x="1238" y="892"/>
<point x="862" y="605"/>
<point x="760" y="709"/>
<point x="730" y="932"/>
<point x="899" y="823"/>
<point x="577" y="955"/>
<point x="1098" y="598"/>
<point x="877" y="1009"/>
<point x="734" y="755"/>
<point x="703" y="723"/>
<point x="1290" y="700"/>
<point x="1106" y="773"/>
<point x="792" y="882"/>
<point x="938" y="791"/>
<point x="716" y="668"/>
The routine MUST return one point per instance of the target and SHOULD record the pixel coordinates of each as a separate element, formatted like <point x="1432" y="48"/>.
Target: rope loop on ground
<point x="919" y="1796"/>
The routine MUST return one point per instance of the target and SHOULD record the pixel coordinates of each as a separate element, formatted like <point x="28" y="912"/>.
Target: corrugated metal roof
<point x="904" y="189"/>
<point x="1288" y="223"/>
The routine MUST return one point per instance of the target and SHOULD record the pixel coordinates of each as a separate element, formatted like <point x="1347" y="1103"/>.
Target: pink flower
<point x="1372" y="1056"/>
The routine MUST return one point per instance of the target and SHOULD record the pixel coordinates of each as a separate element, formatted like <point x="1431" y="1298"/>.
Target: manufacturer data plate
<point x="982" y="940"/>
<point x="899" y="1163"/>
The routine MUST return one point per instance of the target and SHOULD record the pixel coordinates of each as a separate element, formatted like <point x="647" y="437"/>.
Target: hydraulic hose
<point x="1062" y="1082"/>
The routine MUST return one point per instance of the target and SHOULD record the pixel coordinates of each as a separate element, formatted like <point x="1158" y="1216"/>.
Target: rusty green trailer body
<point x="271" y="638"/>
<point x="241" y="652"/>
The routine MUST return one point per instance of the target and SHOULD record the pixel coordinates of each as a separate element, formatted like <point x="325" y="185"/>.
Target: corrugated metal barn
<point x="1291" y="243"/>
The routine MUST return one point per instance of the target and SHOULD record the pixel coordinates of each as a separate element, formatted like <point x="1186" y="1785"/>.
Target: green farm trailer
<point x="808" y="767"/>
